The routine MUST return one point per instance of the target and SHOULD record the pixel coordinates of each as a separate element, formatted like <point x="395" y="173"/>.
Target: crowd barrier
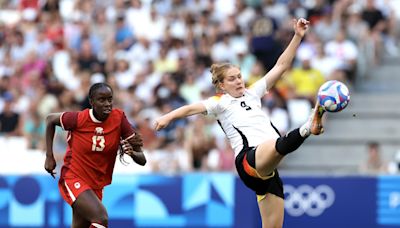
<point x="208" y="200"/>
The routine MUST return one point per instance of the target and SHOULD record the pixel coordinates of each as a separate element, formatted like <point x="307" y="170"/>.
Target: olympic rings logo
<point x="308" y="200"/>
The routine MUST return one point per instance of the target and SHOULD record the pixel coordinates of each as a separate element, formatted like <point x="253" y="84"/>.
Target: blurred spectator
<point x="345" y="51"/>
<point x="83" y="9"/>
<point x="10" y="121"/>
<point x="257" y="71"/>
<point x="221" y="158"/>
<point x="59" y="147"/>
<point x="156" y="26"/>
<point x="277" y="10"/>
<point x="34" y="131"/>
<point x="124" y="37"/>
<point x="198" y="143"/>
<point x="329" y="66"/>
<point x="373" y="16"/>
<point x="189" y="90"/>
<point x="162" y="161"/>
<point x="123" y="74"/>
<point x="33" y="70"/>
<point x="358" y="32"/>
<point x="43" y="46"/>
<point x="86" y="58"/>
<point x="54" y="29"/>
<point x="169" y="134"/>
<point x="51" y="6"/>
<point x="357" y="28"/>
<point x="145" y="83"/>
<point x="19" y="48"/>
<point x="305" y="81"/>
<point x="377" y="25"/>
<point x="142" y="52"/>
<point x="222" y="51"/>
<point x="263" y="44"/>
<point x="157" y="54"/>
<point x="394" y="165"/>
<point x="308" y="47"/>
<point x="277" y="110"/>
<point x="144" y="125"/>
<point x="165" y="63"/>
<point x="374" y="163"/>
<point x="329" y="23"/>
<point x="244" y="15"/>
<point x="104" y="31"/>
<point x="28" y="4"/>
<point x="317" y="11"/>
<point x="85" y="34"/>
<point x="244" y="59"/>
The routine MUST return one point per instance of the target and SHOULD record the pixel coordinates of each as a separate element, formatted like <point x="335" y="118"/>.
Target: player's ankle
<point x="305" y="130"/>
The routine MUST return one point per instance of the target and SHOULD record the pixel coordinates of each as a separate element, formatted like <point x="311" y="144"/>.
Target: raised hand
<point x="300" y="26"/>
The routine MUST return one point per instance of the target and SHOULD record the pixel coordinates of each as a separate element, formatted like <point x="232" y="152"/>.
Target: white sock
<point x="305" y="130"/>
<point x="98" y="225"/>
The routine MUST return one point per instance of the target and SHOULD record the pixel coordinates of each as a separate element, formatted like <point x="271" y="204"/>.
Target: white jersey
<point x="245" y="114"/>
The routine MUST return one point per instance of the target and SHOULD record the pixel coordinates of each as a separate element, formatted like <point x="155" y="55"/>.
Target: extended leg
<point x="270" y="153"/>
<point x="272" y="211"/>
<point x="89" y="208"/>
<point x="78" y="220"/>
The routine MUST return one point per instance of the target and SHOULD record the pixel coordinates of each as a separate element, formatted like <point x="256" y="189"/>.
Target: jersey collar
<point x="93" y="117"/>
<point x="235" y="98"/>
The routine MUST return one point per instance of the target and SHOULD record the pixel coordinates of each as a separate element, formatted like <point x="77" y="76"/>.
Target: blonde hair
<point x="218" y="72"/>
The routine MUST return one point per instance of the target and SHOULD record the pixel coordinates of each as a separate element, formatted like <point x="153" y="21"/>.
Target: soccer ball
<point x="333" y="96"/>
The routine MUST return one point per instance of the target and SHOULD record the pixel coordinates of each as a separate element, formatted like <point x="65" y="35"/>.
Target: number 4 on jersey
<point x="244" y="105"/>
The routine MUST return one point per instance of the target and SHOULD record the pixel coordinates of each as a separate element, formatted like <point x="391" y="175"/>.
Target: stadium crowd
<point x="156" y="55"/>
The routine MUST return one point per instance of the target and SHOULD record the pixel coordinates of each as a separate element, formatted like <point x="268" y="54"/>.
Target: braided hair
<point x="97" y="86"/>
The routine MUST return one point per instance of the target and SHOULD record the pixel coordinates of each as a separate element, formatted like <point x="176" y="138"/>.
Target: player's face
<point x="102" y="102"/>
<point x="233" y="83"/>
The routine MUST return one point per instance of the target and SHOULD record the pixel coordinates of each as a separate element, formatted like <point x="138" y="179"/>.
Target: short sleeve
<point x="69" y="120"/>
<point x="212" y="105"/>
<point x="259" y="87"/>
<point x="126" y="128"/>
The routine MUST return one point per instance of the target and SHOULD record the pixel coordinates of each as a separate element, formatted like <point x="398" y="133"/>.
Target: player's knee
<point x="272" y="222"/>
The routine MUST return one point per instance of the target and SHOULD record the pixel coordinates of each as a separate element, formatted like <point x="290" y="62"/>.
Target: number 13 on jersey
<point x="98" y="143"/>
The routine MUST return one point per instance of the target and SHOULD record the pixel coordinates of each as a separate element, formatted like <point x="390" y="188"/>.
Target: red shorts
<point x="71" y="188"/>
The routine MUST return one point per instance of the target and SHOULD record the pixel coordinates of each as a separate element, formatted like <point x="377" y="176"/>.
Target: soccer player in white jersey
<point x="258" y="146"/>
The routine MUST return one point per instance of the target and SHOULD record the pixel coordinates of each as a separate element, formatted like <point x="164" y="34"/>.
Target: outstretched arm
<point x="52" y="120"/>
<point x="184" y="111"/>
<point x="284" y="62"/>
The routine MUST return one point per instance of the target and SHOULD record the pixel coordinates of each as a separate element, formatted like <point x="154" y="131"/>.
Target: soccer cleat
<point x="316" y="120"/>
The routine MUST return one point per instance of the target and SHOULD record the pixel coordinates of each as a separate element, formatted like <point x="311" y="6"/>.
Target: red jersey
<point x="93" y="145"/>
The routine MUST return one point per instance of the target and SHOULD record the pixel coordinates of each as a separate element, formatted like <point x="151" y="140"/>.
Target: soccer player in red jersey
<point x="93" y="141"/>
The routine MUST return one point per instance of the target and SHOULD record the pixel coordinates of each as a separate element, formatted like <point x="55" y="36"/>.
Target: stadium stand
<point x="51" y="52"/>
